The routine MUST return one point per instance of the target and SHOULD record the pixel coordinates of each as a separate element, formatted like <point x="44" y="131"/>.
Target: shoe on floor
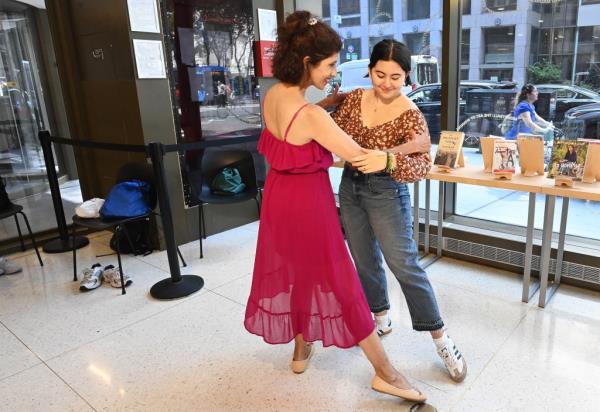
<point x="453" y="360"/>
<point x="384" y="324"/>
<point x="8" y="267"/>
<point x="301" y="365"/>
<point x="382" y="386"/>
<point x="113" y="277"/>
<point x="92" y="278"/>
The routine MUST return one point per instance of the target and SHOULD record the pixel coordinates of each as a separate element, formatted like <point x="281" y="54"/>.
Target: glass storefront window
<point x="23" y="113"/>
<point x="21" y="116"/>
<point x="547" y="49"/>
<point x="494" y="6"/>
<point x="350" y="50"/>
<point x="216" y="94"/>
<point x="381" y="11"/>
<point x="416" y="9"/>
<point x="418" y="43"/>
<point x="499" y="44"/>
<point x="500" y="52"/>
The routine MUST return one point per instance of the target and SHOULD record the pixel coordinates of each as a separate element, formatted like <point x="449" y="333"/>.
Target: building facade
<point x="500" y="38"/>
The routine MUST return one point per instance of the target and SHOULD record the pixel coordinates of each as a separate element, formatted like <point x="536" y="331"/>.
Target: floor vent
<point x="570" y="269"/>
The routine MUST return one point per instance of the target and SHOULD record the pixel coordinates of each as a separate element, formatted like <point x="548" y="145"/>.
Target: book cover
<point x="568" y="159"/>
<point x="449" y="148"/>
<point x="505" y="156"/>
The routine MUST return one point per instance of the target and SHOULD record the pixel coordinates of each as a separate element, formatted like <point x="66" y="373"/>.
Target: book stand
<point x="503" y="175"/>
<point x="591" y="170"/>
<point x="447" y="169"/>
<point x="487" y="150"/>
<point x="531" y="156"/>
<point x="563" y="181"/>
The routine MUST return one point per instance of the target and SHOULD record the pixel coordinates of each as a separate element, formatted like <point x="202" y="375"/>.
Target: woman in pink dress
<point x="305" y="287"/>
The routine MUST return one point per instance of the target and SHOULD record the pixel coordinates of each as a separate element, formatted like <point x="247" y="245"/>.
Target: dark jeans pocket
<point x="383" y="187"/>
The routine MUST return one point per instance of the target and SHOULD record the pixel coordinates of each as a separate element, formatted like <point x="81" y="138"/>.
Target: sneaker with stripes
<point x="453" y="360"/>
<point x="383" y="324"/>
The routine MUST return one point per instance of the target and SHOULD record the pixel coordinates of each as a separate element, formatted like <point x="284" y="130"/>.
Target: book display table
<point x="583" y="191"/>
<point x="472" y="175"/>
<point x="477" y="176"/>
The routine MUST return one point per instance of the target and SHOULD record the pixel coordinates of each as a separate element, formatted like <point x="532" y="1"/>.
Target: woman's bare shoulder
<point x="406" y="104"/>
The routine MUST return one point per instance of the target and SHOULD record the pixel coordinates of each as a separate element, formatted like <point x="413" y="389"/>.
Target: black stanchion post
<point x="177" y="286"/>
<point x="65" y="241"/>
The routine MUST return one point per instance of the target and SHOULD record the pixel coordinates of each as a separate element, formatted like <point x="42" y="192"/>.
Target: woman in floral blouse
<point x="376" y="207"/>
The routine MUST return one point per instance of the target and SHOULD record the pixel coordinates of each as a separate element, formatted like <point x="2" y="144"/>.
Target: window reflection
<point x="216" y="92"/>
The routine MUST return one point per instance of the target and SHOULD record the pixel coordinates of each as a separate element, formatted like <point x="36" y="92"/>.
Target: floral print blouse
<point x="410" y="168"/>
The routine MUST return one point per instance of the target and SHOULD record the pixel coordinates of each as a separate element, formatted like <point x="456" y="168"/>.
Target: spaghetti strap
<point x="292" y="121"/>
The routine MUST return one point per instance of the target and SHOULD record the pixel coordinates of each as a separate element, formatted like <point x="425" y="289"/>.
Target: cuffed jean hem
<point x="428" y="326"/>
<point x="381" y="308"/>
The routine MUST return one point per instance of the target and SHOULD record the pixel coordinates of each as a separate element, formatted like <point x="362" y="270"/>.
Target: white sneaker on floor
<point x="113" y="277"/>
<point x="92" y="278"/>
<point x="383" y="324"/>
<point x="453" y="360"/>
<point x="8" y="267"/>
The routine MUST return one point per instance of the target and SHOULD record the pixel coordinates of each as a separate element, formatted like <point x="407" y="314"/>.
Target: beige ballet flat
<point x="299" y="366"/>
<point x="382" y="386"/>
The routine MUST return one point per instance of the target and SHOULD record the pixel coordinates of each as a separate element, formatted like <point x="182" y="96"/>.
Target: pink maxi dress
<point x="304" y="280"/>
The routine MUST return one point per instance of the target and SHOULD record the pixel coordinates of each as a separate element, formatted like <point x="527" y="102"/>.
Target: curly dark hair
<point x="302" y="35"/>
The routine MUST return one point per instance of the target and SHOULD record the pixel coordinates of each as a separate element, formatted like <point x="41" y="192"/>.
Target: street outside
<point x="230" y="118"/>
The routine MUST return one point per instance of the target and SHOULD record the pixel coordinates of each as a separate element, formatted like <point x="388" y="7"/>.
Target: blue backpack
<point x="127" y="199"/>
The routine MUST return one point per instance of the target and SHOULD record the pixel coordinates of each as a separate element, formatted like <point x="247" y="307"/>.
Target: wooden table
<point x="477" y="176"/>
<point x="583" y="191"/>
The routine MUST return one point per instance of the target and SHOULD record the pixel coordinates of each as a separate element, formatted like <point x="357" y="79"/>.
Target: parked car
<point x="568" y="97"/>
<point x="428" y="100"/>
<point x="582" y="122"/>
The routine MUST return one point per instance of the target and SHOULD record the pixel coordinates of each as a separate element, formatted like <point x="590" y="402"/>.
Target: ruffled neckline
<point x="283" y="155"/>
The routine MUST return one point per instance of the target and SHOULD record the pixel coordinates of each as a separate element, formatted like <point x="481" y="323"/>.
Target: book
<point x="505" y="156"/>
<point x="568" y="159"/>
<point x="449" y="147"/>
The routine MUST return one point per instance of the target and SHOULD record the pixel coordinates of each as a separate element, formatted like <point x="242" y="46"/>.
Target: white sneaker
<point x="92" y="278"/>
<point x="384" y="324"/>
<point x="113" y="277"/>
<point x="8" y="267"/>
<point x="453" y="360"/>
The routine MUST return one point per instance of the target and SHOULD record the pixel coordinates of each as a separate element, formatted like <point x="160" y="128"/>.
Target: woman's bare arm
<point x="328" y="134"/>
<point x="526" y="117"/>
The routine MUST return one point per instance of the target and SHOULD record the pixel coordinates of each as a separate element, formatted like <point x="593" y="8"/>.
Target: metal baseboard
<point x="589" y="274"/>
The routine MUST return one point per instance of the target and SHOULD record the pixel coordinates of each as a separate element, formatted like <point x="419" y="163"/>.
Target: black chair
<point x="213" y="162"/>
<point x="129" y="171"/>
<point x="15" y="210"/>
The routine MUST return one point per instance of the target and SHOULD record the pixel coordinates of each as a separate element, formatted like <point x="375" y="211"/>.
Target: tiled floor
<point x="62" y="350"/>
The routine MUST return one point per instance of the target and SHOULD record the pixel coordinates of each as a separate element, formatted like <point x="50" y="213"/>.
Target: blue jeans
<point x="377" y="218"/>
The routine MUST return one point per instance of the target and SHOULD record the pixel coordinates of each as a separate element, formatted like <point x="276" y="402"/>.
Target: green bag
<point x="228" y="182"/>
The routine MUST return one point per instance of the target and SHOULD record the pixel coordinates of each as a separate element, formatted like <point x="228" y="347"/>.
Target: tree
<point x="544" y="72"/>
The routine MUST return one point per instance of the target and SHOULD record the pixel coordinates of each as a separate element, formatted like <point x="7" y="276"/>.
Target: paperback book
<point x="505" y="156"/>
<point x="568" y="159"/>
<point x="449" y="149"/>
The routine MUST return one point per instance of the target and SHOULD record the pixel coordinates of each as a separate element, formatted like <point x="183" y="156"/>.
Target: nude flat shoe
<point x="299" y="366"/>
<point x="382" y="386"/>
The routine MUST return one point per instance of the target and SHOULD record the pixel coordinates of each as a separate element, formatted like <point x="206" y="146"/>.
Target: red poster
<point x="264" y="50"/>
